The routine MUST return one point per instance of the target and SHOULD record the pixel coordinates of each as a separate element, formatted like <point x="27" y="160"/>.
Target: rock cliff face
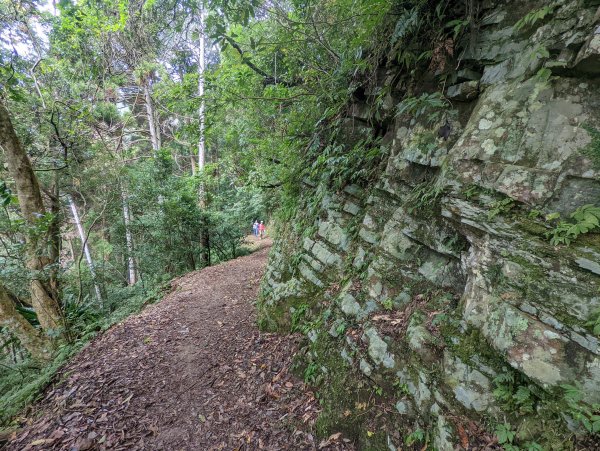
<point x="433" y="297"/>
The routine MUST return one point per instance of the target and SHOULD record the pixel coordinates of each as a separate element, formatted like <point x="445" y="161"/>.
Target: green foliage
<point x="298" y="317"/>
<point x="584" y="220"/>
<point x="420" y="28"/>
<point x="416" y="436"/>
<point x="516" y="393"/>
<point x="543" y="75"/>
<point x="401" y="388"/>
<point x="388" y="304"/>
<point x="505" y="434"/>
<point x="594" y="324"/>
<point x="458" y="26"/>
<point x="425" y="197"/>
<point x="587" y="415"/>
<point x="533" y="446"/>
<point x="407" y="23"/>
<point x="310" y="373"/>
<point x="521" y="397"/>
<point x="539" y="52"/>
<point x="471" y="191"/>
<point x="592" y="150"/>
<point x="428" y="106"/>
<point x="6" y="196"/>
<point x="533" y="16"/>
<point x="341" y="166"/>
<point x="21" y="383"/>
<point x="501" y="206"/>
<point x="341" y="329"/>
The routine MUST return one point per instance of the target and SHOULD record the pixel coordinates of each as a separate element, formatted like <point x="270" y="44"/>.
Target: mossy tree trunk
<point x="38" y="345"/>
<point x="33" y="211"/>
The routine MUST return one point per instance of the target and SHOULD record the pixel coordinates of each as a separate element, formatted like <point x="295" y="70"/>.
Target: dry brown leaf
<point x="464" y="439"/>
<point x="41" y="441"/>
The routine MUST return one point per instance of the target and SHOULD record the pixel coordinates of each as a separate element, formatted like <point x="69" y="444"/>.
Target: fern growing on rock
<point x="586" y="217"/>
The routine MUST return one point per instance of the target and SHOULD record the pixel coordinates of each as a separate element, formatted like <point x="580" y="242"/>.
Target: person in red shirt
<point x="261" y="230"/>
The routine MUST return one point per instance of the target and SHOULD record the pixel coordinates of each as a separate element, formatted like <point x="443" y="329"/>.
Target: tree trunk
<point x="131" y="265"/>
<point x="86" y="249"/>
<point x="54" y="237"/>
<point x="30" y="338"/>
<point x="71" y="248"/>
<point x="205" y="244"/>
<point x="152" y="118"/>
<point x="201" y="109"/>
<point x="32" y="209"/>
<point x="204" y="235"/>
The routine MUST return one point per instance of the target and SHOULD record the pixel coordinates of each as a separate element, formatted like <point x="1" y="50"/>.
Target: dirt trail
<point x="189" y="373"/>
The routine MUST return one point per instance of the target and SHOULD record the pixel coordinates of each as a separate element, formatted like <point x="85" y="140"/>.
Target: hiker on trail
<point x="255" y="228"/>
<point x="261" y="230"/>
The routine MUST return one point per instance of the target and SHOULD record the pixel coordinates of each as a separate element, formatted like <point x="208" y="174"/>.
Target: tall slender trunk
<point x="193" y="165"/>
<point x="204" y="234"/>
<point x="155" y="138"/>
<point x="86" y="249"/>
<point x="131" y="264"/>
<point x="202" y="108"/>
<point x="30" y="338"/>
<point x="54" y="237"/>
<point x="32" y="209"/>
<point x="71" y="248"/>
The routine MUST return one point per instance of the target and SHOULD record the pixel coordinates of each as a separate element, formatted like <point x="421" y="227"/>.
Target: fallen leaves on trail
<point x="388" y="318"/>
<point x="464" y="439"/>
<point x="191" y="372"/>
<point x="333" y="439"/>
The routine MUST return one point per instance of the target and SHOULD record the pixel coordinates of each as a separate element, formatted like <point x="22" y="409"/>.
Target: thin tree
<point x="153" y="124"/>
<point x="202" y="107"/>
<point x="86" y="248"/>
<point x="204" y="234"/>
<point x="131" y="264"/>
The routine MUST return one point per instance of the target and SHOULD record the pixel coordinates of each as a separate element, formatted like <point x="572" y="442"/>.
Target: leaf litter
<point x="192" y="372"/>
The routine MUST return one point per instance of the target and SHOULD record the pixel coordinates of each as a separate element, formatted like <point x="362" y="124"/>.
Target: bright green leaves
<point x="533" y="16"/>
<point x="588" y="416"/>
<point x="594" y="324"/>
<point x="416" y="436"/>
<point x="6" y="195"/>
<point x="592" y="150"/>
<point x="458" y="26"/>
<point x="500" y="207"/>
<point x="83" y="18"/>
<point x="340" y="165"/>
<point x="428" y="106"/>
<point x="585" y="219"/>
<point x="505" y="433"/>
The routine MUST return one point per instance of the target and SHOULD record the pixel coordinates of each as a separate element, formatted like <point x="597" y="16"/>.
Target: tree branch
<point x="267" y="79"/>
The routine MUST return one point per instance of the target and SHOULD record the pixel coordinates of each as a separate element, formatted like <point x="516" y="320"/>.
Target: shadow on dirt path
<point x="189" y="373"/>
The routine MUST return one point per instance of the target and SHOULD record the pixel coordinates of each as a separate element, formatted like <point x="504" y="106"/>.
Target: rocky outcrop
<point x="436" y="285"/>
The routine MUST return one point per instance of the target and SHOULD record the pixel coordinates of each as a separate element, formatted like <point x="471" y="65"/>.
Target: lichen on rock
<point x="449" y="279"/>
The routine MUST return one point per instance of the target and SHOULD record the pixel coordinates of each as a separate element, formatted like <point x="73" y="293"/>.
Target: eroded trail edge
<point x="191" y="372"/>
